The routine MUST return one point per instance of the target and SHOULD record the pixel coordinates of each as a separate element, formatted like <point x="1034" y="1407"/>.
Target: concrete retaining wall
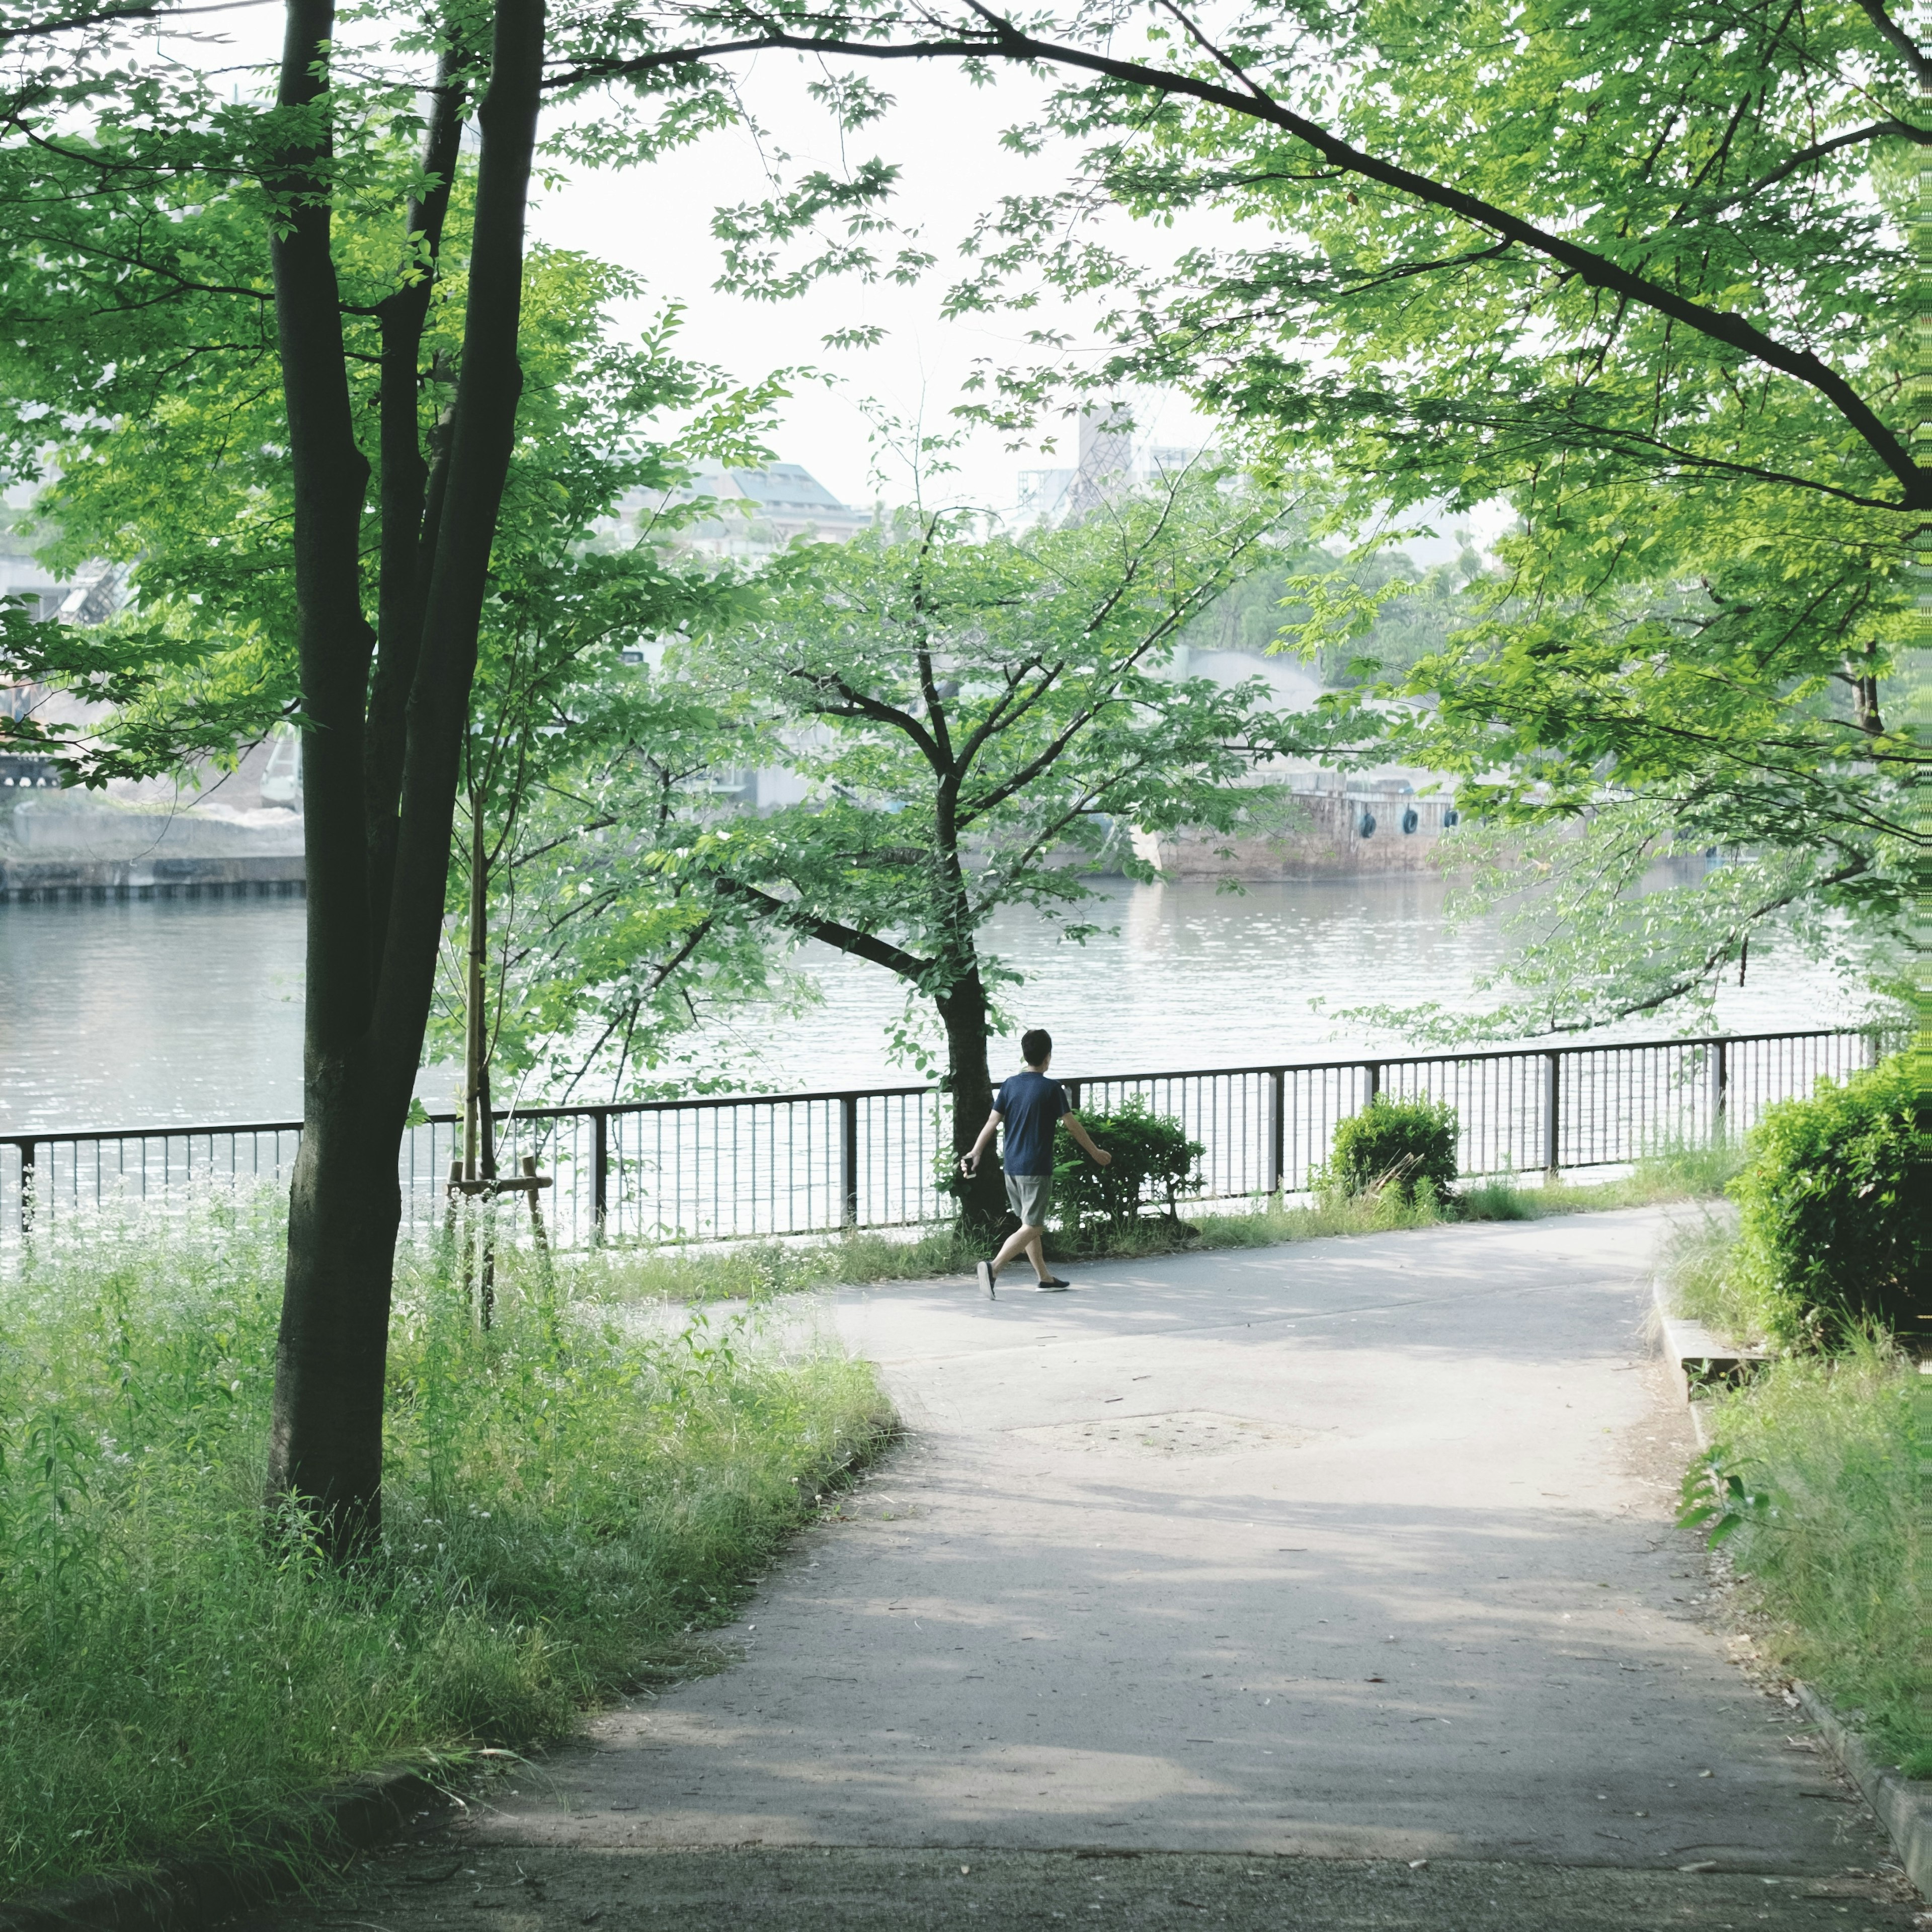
<point x="1321" y="838"/>
<point x="76" y="880"/>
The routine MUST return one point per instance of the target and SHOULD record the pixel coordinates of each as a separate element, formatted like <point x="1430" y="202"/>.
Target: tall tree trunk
<point x="969" y="1082"/>
<point x="371" y="971"/>
<point x="325" y="1445"/>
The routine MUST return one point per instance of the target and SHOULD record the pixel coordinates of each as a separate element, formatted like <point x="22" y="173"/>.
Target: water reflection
<point x="124" y="1015"/>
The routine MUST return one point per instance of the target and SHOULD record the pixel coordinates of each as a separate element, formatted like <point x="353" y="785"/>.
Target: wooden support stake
<point x="531" y="1184"/>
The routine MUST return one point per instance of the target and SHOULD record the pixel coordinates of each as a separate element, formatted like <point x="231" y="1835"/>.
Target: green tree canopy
<point x="291" y="352"/>
<point x="591" y="778"/>
<point x="982" y="721"/>
<point x="1643" y="274"/>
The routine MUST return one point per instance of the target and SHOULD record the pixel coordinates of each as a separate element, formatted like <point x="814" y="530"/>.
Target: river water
<point x="141" y="1013"/>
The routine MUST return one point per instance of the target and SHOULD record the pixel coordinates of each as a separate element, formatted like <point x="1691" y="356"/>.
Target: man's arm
<point x="969" y="1162"/>
<point x="1071" y="1122"/>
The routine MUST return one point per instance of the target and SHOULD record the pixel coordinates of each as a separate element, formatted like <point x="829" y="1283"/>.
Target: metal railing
<point x="804" y="1163"/>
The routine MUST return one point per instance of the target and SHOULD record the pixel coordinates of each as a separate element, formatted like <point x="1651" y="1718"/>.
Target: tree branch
<point x="408" y="536"/>
<point x="108" y="16"/>
<point x="482" y="436"/>
<point x="830" y="931"/>
<point x="857" y="704"/>
<point x="1890" y="31"/>
<point x="1003" y="40"/>
<point x="1818" y="150"/>
<point x="1716" y="957"/>
<point x="329" y="474"/>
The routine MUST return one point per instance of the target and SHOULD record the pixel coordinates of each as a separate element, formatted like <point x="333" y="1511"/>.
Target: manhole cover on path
<point x="1181" y="1432"/>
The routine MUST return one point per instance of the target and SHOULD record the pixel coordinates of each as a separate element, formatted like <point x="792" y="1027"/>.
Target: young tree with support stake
<point x="994" y="714"/>
<point x="578" y="952"/>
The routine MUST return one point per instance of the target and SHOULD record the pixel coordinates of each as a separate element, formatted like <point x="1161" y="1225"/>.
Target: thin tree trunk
<point x="479" y="1162"/>
<point x="479" y="1129"/>
<point x="969" y="1082"/>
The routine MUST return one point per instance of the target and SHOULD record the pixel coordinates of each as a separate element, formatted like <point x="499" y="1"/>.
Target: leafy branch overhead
<point x="1658" y="304"/>
<point x="1429" y="177"/>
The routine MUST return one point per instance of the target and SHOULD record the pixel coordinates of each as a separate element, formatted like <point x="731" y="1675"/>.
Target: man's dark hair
<point x="1035" y="1043"/>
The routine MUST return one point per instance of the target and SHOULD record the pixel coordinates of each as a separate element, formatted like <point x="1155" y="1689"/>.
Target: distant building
<point x="90" y="596"/>
<point x="1109" y="466"/>
<point x="759" y="511"/>
<point x="1042" y="494"/>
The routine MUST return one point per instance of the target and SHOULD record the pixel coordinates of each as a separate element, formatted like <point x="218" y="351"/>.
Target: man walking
<point x="1032" y="1106"/>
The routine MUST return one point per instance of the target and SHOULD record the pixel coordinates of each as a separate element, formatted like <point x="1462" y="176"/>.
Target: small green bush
<point x="1826" y="1230"/>
<point x="1155" y="1165"/>
<point x="1394" y="1146"/>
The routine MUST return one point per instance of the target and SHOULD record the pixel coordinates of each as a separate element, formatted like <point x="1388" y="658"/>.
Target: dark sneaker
<point x="1053" y="1284"/>
<point x="986" y="1279"/>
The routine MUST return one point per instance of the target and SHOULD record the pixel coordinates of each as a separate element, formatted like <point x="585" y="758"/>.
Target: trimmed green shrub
<point x="1155" y="1165"/>
<point x="1826" y="1233"/>
<point x="1392" y="1146"/>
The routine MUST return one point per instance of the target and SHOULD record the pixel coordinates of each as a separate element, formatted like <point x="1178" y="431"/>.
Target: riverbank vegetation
<point x="570" y="1500"/>
<point x="1811" y="1481"/>
<point x="1820" y="1247"/>
<point x="334" y="520"/>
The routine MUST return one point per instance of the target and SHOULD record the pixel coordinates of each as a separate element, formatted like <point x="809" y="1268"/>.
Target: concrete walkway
<point x="1356" y="1549"/>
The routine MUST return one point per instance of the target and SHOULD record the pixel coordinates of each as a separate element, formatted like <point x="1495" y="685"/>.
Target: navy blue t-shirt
<point x="1030" y="1105"/>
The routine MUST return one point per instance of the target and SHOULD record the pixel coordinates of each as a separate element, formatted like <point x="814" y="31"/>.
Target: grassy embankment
<point x="1828" y="1565"/>
<point x="754" y="1271"/>
<point x="567" y="1501"/>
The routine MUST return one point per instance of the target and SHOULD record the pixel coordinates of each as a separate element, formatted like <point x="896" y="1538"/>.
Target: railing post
<point x="1374" y="1072"/>
<point x="1552" y="1088"/>
<point x="1276" y="1137"/>
<point x="600" y="1173"/>
<point x="27" y="1176"/>
<point x="1721" y="1089"/>
<point x="848" y="1151"/>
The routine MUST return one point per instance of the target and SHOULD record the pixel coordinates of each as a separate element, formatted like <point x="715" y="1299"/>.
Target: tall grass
<point x="754" y="1270"/>
<point x="1699" y="1264"/>
<point x="1832" y="1562"/>
<point x="1671" y="1172"/>
<point x="566" y="1499"/>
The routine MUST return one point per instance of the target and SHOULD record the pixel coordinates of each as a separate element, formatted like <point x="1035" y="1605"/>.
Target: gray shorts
<point x="1030" y="1196"/>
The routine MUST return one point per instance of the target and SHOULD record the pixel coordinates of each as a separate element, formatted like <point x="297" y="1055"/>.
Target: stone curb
<point x="1688" y="1344"/>
<point x="190" y="1892"/>
<point x="1903" y="1804"/>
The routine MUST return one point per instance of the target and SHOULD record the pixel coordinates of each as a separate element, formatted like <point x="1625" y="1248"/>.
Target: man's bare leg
<point x="1024" y="1240"/>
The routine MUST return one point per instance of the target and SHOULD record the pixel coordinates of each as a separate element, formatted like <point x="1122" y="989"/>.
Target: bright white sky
<point x="944" y="135"/>
<point x="656" y="221"/>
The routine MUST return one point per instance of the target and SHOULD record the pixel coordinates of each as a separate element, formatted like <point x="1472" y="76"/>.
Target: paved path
<point x="1356" y="1549"/>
